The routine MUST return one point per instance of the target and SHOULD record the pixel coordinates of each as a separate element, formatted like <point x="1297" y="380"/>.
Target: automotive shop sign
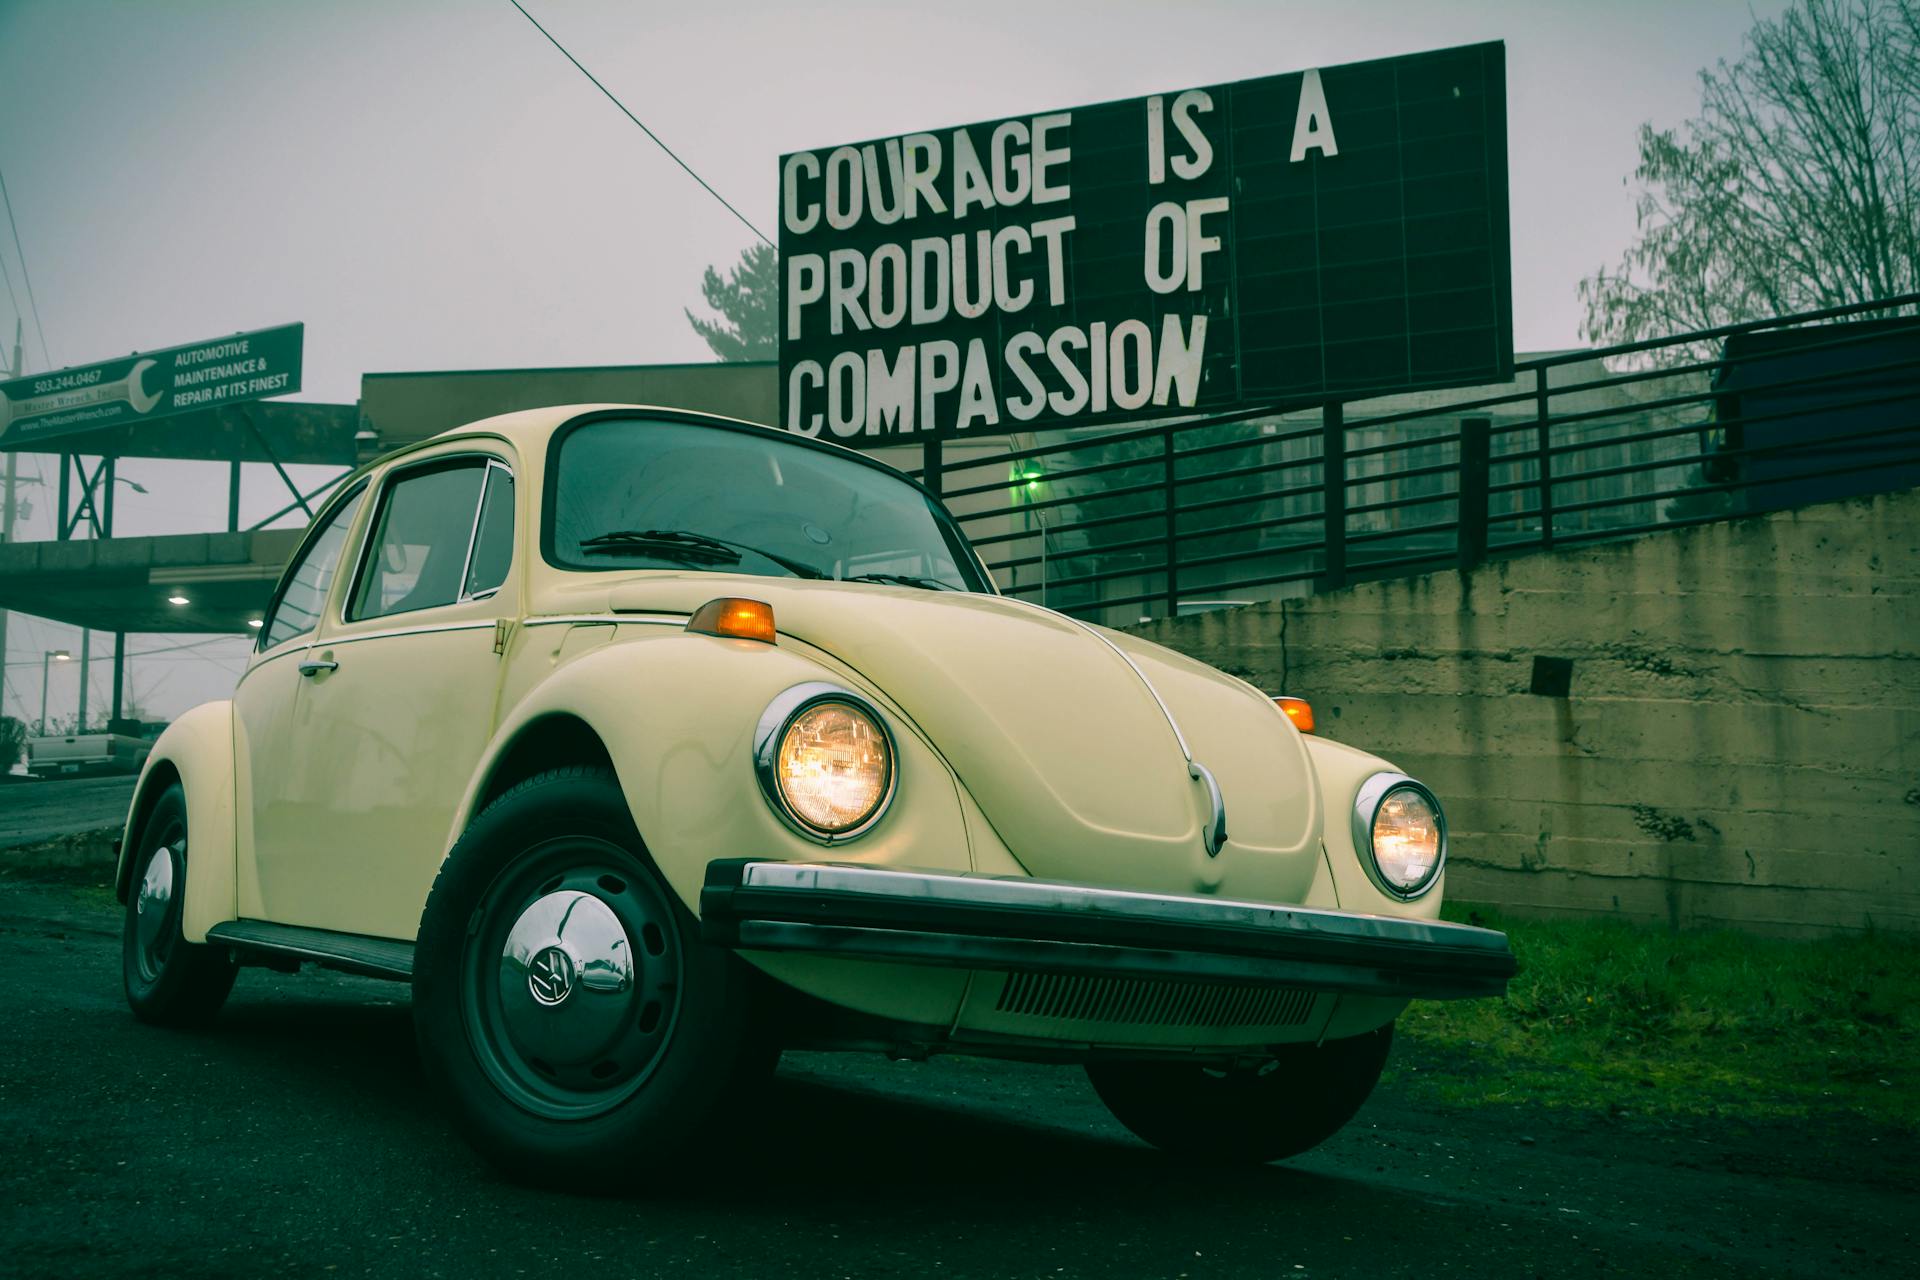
<point x="157" y="384"/>
<point x="1302" y="237"/>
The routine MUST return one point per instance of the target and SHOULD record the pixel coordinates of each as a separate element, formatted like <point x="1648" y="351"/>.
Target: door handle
<point x="314" y="666"/>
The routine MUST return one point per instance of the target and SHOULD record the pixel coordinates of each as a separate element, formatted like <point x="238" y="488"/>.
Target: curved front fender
<point x="677" y="713"/>
<point x="198" y="749"/>
<point x="1341" y="770"/>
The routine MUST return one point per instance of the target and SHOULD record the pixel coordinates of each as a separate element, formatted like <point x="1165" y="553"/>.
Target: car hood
<point x="1059" y="738"/>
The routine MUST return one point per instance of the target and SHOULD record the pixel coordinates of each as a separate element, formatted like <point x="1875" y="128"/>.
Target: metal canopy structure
<point x="127" y="584"/>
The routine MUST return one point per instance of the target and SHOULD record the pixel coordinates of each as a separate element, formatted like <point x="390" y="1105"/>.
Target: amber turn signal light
<point x="734" y="618"/>
<point x="1298" y="710"/>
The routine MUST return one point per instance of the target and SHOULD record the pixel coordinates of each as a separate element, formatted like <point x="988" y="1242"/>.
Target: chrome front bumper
<point x="962" y="921"/>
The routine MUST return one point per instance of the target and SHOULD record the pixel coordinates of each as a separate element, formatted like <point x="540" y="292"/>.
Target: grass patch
<point x="1630" y="1018"/>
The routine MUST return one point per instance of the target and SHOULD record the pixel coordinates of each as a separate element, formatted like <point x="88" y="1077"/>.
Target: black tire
<point x="558" y="1068"/>
<point x="1291" y="1104"/>
<point x="169" y="981"/>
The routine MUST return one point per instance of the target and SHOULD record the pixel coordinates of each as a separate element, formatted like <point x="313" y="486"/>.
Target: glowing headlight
<point x="825" y="761"/>
<point x="1398" y="827"/>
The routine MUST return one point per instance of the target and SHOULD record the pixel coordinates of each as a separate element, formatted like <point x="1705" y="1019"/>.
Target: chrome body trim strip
<point x="425" y="628"/>
<point x="1213" y="832"/>
<point x="573" y="619"/>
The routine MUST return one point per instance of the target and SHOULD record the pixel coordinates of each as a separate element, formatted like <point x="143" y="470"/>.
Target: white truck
<point x="86" y="754"/>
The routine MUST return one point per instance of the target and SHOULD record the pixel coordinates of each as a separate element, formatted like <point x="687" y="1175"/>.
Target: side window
<point x="418" y="550"/>
<point x="298" y="608"/>
<point x="493" y="535"/>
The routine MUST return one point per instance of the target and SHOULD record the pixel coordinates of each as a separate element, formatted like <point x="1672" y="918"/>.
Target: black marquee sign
<point x="1313" y="236"/>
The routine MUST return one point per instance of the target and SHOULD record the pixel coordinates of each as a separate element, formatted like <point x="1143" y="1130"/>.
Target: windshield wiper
<point x="901" y="579"/>
<point x="683" y="544"/>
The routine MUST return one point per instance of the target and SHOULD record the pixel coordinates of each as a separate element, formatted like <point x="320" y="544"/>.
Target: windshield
<point x="639" y="493"/>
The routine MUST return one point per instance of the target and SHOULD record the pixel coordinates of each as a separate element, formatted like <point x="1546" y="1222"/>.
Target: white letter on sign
<point x="845" y="188"/>
<point x="970" y="185"/>
<point x="1046" y="156"/>
<point x="930" y="272"/>
<point x="848" y="271"/>
<point x="847" y="394"/>
<point x="896" y="178"/>
<point x="890" y="391"/>
<point x="923" y="168"/>
<point x="1183" y="108"/>
<point x="804" y="372"/>
<point x="1199" y="245"/>
<point x="1312" y="126"/>
<point x="1156" y="141"/>
<point x="806" y="282"/>
<point x="1166" y="226"/>
<point x="797" y="222"/>
<point x="939" y="371"/>
<point x="1178" y="373"/>
<point x="1020" y="347"/>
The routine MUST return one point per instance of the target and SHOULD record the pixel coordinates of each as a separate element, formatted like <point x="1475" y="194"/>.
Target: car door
<point x="389" y="725"/>
<point x="263" y="702"/>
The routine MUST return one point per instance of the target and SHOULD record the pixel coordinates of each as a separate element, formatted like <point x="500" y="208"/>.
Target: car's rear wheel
<point x="169" y="981"/>
<point x="1291" y="1103"/>
<point x="563" y="1001"/>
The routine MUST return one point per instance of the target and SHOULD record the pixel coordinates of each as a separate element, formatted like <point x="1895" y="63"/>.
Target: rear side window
<point x="298" y="609"/>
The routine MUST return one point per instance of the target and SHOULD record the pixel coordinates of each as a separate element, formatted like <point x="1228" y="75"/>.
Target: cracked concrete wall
<point x="1740" y="740"/>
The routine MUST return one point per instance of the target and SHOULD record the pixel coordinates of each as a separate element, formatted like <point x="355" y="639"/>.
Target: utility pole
<point x="14" y="370"/>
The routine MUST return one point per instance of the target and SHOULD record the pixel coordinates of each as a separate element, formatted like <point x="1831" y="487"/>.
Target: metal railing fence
<point x="1581" y="446"/>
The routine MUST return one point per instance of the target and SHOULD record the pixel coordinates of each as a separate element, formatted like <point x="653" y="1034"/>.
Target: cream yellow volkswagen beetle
<point x="645" y="744"/>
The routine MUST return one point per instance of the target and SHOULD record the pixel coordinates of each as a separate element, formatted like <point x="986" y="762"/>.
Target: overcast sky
<point x="427" y="184"/>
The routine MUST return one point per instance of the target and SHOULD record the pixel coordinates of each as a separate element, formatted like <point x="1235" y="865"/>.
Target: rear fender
<point x="197" y="751"/>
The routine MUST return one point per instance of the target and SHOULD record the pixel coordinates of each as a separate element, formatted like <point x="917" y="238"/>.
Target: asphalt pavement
<point x="35" y="811"/>
<point x="296" y="1136"/>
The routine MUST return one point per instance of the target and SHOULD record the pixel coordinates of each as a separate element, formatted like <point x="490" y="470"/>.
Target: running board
<point x="352" y="952"/>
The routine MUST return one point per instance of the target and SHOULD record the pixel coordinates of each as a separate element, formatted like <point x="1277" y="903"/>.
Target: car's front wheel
<point x="563" y="1002"/>
<point x="1291" y="1103"/>
<point x="169" y="981"/>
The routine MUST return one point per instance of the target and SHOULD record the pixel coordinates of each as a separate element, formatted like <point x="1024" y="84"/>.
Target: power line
<point x="28" y="276"/>
<point x="12" y="297"/>
<point x="623" y="107"/>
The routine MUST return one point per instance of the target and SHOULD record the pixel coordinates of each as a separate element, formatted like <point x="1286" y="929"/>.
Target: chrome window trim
<point x="1366" y="806"/>
<point x="473" y="538"/>
<point x="380" y="492"/>
<point x="781" y="712"/>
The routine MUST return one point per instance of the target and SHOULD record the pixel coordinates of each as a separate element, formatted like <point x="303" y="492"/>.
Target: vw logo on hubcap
<point x="550" y="976"/>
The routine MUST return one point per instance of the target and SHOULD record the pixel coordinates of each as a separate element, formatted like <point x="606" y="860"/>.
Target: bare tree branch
<point x="1796" y="187"/>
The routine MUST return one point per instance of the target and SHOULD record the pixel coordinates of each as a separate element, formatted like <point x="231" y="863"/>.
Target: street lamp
<point x="47" y="657"/>
<point x="1027" y="479"/>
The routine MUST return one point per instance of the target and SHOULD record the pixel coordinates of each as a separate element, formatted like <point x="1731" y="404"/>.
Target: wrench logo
<point x="131" y="389"/>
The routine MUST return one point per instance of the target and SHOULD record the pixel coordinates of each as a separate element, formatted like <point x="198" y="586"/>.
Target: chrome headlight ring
<point x="780" y="714"/>
<point x="1366" y="807"/>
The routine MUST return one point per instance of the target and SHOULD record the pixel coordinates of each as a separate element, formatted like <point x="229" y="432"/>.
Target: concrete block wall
<point x="1740" y="743"/>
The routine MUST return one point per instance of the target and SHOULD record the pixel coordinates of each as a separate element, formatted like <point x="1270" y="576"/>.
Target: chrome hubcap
<point x="572" y="979"/>
<point x="153" y="913"/>
<point x="566" y="981"/>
